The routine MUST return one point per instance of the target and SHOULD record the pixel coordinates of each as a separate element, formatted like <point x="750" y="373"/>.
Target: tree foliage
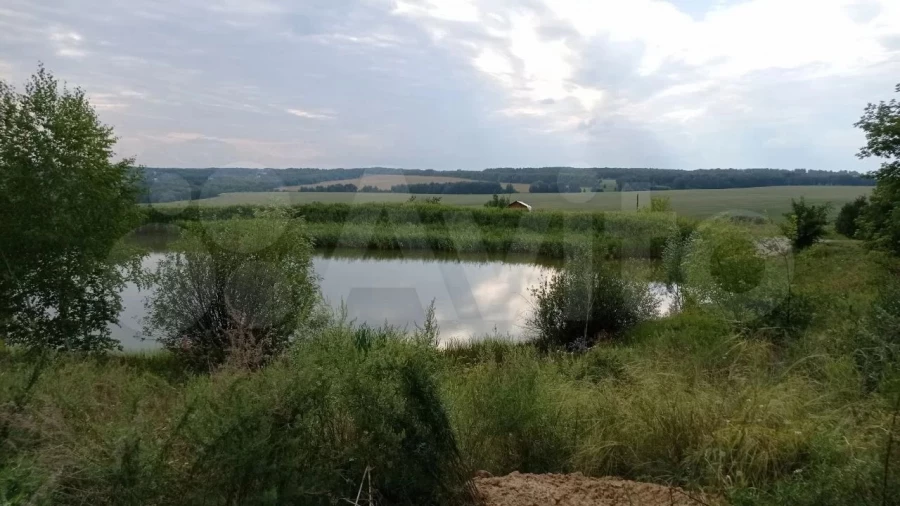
<point x="880" y="221"/>
<point x="235" y="289"/>
<point x="805" y="224"/>
<point x="586" y="302"/>
<point x="333" y="188"/>
<point x="63" y="206"/>
<point x="498" y="202"/>
<point x="457" y="188"/>
<point x="846" y="222"/>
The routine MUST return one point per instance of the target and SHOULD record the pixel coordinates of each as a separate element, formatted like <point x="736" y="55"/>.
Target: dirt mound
<point x="578" y="490"/>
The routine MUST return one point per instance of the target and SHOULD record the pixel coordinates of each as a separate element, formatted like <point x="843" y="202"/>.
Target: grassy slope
<point x="773" y="200"/>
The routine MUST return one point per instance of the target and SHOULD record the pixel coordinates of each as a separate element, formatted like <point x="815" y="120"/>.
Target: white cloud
<point x="71" y="52"/>
<point x="67" y="43"/>
<point x="447" y="10"/>
<point x="496" y="65"/>
<point x="306" y="114"/>
<point x="589" y="98"/>
<point x="684" y="115"/>
<point x="65" y="36"/>
<point x="106" y="101"/>
<point x="686" y="66"/>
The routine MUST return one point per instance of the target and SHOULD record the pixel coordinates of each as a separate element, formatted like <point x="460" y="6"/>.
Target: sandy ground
<point x="577" y="490"/>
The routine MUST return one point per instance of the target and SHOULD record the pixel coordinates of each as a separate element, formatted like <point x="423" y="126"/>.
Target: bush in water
<point x="586" y="302"/>
<point x="235" y="288"/>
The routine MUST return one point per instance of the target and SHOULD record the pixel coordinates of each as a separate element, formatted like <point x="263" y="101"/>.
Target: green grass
<point x="683" y="400"/>
<point x="770" y="201"/>
<point x="479" y="230"/>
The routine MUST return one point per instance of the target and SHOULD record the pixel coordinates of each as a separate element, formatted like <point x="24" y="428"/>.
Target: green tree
<point x="880" y="222"/>
<point x="234" y="289"/>
<point x="498" y="202"/>
<point x="805" y="224"/>
<point x="64" y="204"/>
<point x="658" y="205"/>
<point x="846" y="221"/>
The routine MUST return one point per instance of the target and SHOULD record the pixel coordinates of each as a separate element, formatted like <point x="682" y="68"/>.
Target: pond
<point x="473" y="297"/>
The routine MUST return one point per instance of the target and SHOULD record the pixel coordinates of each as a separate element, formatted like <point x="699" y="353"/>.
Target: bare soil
<point x="578" y="490"/>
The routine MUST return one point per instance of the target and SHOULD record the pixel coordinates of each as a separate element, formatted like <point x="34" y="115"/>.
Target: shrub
<point x="236" y="288"/>
<point x="788" y="315"/>
<point x="586" y="302"/>
<point x="877" y="352"/>
<point x="748" y="283"/>
<point x="660" y="205"/>
<point x="806" y="223"/>
<point x="497" y="202"/>
<point x="846" y="221"/>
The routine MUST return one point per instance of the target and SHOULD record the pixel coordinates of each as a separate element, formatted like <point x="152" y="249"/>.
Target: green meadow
<point x="770" y="201"/>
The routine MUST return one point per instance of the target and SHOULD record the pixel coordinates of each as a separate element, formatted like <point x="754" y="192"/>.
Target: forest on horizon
<point x="172" y="184"/>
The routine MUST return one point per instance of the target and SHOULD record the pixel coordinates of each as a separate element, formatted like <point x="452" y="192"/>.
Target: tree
<point x="498" y="202"/>
<point x="658" y="205"/>
<point x="64" y="204"/>
<point x="234" y="289"/>
<point x="846" y="222"/>
<point x="880" y="221"/>
<point x="805" y="224"/>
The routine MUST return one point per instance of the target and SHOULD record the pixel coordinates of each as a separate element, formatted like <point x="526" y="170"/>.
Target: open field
<point x="771" y="201"/>
<point x="383" y="181"/>
<point x="386" y="181"/>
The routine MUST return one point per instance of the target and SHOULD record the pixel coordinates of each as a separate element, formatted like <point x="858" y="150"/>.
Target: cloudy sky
<point x="469" y="84"/>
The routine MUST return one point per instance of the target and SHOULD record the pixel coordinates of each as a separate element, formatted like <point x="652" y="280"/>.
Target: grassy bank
<point x="453" y="229"/>
<point x="685" y="400"/>
<point x="769" y="201"/>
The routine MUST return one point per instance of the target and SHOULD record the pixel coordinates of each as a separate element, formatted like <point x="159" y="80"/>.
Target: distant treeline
<point x="170" y="184"/>
<point x="470" y="188"/>
<point x="542" y="187"/>
<point x="333" y="188"/>
<point x="568" y="179"/>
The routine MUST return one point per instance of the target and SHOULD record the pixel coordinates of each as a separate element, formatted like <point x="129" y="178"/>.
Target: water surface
<point x="473" y="296"/>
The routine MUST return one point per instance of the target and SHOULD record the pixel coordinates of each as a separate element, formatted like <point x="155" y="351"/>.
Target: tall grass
<point x="303" y="430"/>
<point x="442" y="228"/>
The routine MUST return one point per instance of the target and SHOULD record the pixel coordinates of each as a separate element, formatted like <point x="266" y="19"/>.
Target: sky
<point x="469" y="84"/>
